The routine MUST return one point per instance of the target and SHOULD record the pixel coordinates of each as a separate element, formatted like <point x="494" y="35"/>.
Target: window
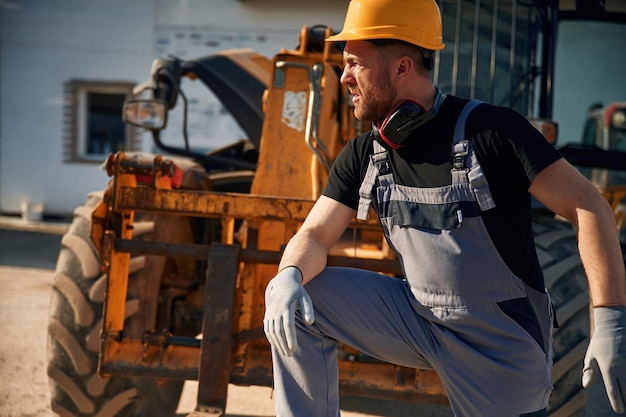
<point x="590" y="132"/>
<point x="490" y="51"/>
<point x="94" y="126"/>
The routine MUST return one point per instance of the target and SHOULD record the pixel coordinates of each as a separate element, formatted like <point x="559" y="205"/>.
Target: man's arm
<point x="304" y="257"/>
<point x="309" y="248"/>
<point x="562" y="189"/>
<point x="566" y="192"/>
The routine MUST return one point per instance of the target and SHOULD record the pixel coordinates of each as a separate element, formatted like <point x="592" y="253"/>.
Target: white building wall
<point x="44" y="43"/>
<point x="285" y="16"/>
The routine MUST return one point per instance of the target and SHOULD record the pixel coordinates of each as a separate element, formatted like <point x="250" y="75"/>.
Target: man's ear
<point x="404" y="66"/>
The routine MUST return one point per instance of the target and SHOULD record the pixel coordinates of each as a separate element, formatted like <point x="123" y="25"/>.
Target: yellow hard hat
<point x="413" y="21"/>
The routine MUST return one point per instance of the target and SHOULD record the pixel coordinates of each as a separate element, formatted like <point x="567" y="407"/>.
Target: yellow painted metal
<point x="285" y="160"/>
<point x="616" y="196"/>
<point x="211" y="204"/>
<point x="117" y="285"/>
<point x="228" y="229"/>
<point x="181" y="360"/>
<point x="99" y="217"/>
<point x="302" y="133"/>
<point x="117" y="265"/>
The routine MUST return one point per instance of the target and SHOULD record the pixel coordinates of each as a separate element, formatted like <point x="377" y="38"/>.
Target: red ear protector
<point x="403" y="120"/>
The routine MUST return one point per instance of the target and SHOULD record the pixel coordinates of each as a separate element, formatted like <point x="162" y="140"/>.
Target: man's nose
<point x="345" y="77"/>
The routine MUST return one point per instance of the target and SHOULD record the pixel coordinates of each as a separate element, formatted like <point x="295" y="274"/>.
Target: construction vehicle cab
<point x="605" y="127"/>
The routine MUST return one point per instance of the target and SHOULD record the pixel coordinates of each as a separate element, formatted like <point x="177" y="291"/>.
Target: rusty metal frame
<point x="213" y="361"/>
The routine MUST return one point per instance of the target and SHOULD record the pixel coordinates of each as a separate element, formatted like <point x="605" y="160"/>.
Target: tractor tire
<point x="566" y="282"/>
<point x="75" y="323"/>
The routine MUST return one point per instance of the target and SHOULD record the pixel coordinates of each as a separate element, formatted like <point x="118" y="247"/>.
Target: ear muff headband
<point x="407" y="116"/>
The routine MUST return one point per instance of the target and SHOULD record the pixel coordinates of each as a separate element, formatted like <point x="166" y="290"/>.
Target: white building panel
<point x="46" y="43"/>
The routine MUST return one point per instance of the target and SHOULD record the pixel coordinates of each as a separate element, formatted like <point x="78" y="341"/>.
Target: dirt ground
<point x="23" y="305"/>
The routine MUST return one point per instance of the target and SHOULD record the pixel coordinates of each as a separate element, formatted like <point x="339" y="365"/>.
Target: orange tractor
<point x="161" y="276"/>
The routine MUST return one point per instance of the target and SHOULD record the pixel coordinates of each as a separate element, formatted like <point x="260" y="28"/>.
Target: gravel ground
<point x="23" y="312"/>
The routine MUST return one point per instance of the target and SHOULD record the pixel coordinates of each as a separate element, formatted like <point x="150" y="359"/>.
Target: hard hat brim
<point x="346" y="35"/>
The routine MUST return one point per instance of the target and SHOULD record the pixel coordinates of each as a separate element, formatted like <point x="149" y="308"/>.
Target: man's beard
<point x="376" y="103"/>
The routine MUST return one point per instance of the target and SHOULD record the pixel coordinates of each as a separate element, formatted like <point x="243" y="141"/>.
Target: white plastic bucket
<point x="32" y="212"/>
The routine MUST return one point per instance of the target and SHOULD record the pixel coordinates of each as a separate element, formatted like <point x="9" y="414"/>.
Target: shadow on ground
<point x="29" y="248"/>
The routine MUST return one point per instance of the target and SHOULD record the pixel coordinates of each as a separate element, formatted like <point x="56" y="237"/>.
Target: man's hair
<point x="421" y="56"/>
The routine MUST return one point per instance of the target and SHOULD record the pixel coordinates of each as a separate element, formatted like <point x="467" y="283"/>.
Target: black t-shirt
<point x="509" y="149"/>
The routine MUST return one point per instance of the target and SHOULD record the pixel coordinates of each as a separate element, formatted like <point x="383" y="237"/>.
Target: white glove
<point x="283" y="295"/>
<point x="607" y="352"/>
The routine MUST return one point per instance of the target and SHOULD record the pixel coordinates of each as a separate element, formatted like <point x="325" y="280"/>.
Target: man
<point x="451" y="181"/>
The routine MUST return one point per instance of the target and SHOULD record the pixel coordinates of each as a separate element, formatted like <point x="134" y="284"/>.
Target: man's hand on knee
<point x="283" y="296"/>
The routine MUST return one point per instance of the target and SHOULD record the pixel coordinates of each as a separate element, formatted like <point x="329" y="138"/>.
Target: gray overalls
<point x="460" y="309"/>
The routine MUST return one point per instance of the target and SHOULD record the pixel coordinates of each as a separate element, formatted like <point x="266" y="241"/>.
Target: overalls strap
<point x="465" y="163"/>
<point x="378" y="167"/>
